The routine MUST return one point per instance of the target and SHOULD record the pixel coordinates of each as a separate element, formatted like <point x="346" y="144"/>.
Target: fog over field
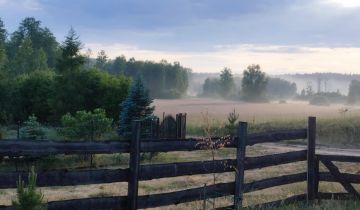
<point x="218" y="109"/>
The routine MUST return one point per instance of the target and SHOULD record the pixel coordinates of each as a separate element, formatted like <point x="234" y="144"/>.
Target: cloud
<point x="20" y="4"/>
<point x="274" y="59"/>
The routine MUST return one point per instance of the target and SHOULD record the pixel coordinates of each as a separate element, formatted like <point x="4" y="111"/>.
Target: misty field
<point x="337" y="124"/>
<point x="252" y="112"/>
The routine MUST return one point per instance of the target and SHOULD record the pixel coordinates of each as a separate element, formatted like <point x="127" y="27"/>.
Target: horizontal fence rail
<point x="138" y="172"/>
<point x="149" y="172"/>
<point x="23" y="147"/>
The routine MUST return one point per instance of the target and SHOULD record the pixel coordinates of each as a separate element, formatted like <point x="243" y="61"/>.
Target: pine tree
<point x="70" y="59"/>
<point x="135" y="107"/>
<point x="32" y="129"/>
<point x="29" y="198"/>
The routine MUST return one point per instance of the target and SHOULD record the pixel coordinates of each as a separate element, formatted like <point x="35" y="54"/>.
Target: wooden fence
<point x="137" y="172"/>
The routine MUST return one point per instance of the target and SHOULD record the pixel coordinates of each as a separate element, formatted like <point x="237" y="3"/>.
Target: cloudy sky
<point x="283" y="36"/>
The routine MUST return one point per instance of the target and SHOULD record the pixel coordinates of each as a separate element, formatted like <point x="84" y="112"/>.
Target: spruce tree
<point x="135" y="107"/>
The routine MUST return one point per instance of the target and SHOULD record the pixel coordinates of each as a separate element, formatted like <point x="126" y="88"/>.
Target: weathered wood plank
<point x="275" y="136"/>
<point x="144" y="201"/>
<point x="336" y="173"/>
<point x="311" y="160"/>
<point x="340" y="158"/>
<point x="328" y="177"/>
<point x="42" y="147"/>
<point x="275" y="159"/>
<point x="183" y="196"/>
<point x="66" y="178"/>
<point x="274" y="181"/>
<point x="148" y="172"/>
<point x="240" y="165"/>
<point x="134" y="164"/>
<point x="156" y="171"/>
<point x="26" y="147"/>
<point x="109" y="203"/>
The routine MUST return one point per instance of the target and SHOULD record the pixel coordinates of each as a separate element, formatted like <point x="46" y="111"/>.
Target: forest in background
<point x="42" y="77"/>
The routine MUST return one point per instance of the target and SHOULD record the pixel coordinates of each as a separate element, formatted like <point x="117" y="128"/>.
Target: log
<point x="109" y="203"/>
<point x="44" y="147"/>
<point x="276" y="136"/>
<point x="134" y="164"/>
<point x="328" y="177"/>
<point x="311" y="160"/>
<point x="240" y="165"/>
<point x="148" y="172"/>
<point x="183" y="196"/>
<point x="276" y="159"/>
<point x="156" y="171"/>
<point x="336" y="173"/>
<point x="340" y="158"/>
<point x="66" y="178"/>
<point x="274" y="181"/>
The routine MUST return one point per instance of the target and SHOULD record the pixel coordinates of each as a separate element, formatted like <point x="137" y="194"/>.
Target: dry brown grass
<point x="259" y="112"/>
<point x="178" y="183"/>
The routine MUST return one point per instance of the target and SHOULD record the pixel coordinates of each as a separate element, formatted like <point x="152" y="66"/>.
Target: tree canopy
<point x="254" y="84"/>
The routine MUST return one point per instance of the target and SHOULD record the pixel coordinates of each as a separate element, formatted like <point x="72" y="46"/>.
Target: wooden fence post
<point x="240" y="164"/>
<point x="312" y="168"/>
<point x="134" y="166"/>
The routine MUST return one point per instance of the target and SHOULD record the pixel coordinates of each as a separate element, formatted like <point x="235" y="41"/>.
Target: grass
<point x="334" y="130"/>
<point x="342" y="131"/>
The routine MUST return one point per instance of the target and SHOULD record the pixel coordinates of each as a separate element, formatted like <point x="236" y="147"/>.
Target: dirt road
<point x="276" y="148"/>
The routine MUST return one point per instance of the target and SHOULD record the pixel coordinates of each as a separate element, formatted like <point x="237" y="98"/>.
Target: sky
<point x="283" y="36"/>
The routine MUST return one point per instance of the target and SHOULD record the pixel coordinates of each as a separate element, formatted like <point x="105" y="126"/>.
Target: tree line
<point x="255" y="85"/>
<point x="42" y="77"/>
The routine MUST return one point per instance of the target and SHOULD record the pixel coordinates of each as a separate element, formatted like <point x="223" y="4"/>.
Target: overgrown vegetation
<point x="32" y="129"/>
<point x="254" y="84"/>
<point x="223" y="87"/>
<point x="29" y="197"/>
<point x="85" y="125"/>
<point x="136" y="106"/>
<point x="40" y="76"/>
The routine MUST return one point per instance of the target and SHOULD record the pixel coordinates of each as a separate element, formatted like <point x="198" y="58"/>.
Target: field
<point x="261" y="116"/>
<point x="337" y="125"/>
<point x="251" y="112"/>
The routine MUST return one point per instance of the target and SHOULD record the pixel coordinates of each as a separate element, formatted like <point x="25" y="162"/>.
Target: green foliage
<point x="135" y="107"/>
<point x="32" y="129"/>
<point x="254" y="84"/>
<point x="280" y="89"/>
<point x="28" y="197"/>
<point x="70" y="60"/>
<point x="32" y="38"/>
<point x="227" y="85"/>
<point x="211" y="87"/>
<point x="85" y="125"/>
<point x="164" y="80"/>
<point x="88" y="90"/>
<point x="101" y="60"/>
<point x="31" y="94"/>
<point x="231" y="124"/>
<point x="220" y="87"/>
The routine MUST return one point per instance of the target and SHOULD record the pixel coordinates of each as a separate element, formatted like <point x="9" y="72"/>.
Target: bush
<point x="319" y="100"/>
<point x="29" y="198"/>
<point x="85" y="125"/>
<point x="32" y="129"/>
<point x="231" y="125"/>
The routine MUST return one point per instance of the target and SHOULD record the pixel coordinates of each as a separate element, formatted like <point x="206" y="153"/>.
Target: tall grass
<point x="344" y="131"/>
